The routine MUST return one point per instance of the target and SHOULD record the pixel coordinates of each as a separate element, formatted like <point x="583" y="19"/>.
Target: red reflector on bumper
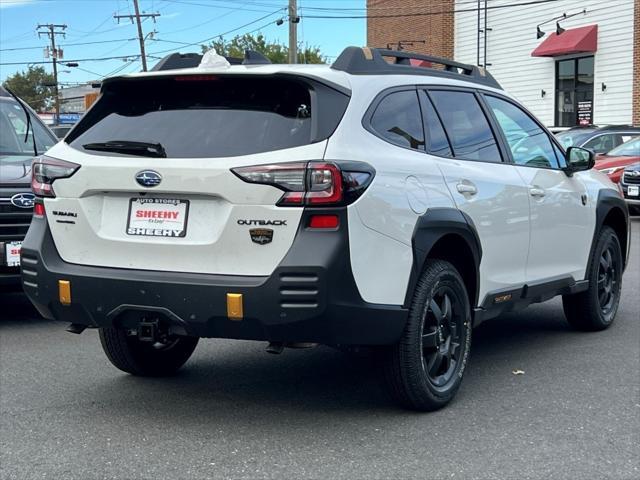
<point x="324" y="221"/>
<point x="38" y="210"/>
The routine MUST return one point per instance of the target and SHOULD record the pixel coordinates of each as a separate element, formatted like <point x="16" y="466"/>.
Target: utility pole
<point x="294" y="19"/>
<point x="139" y="18"/>
<point x="51" y="30"/>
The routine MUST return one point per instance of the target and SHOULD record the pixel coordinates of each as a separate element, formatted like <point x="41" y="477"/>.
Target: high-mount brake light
<point x="308" y="183"/>
<point x="46" y="170"/>
<point x="196" y="78"/>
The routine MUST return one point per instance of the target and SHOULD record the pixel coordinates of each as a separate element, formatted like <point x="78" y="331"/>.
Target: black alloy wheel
<point x="442" y="332"/>
<point x="596" y="308"/>
<point x="425" y="368"/>
<point x="608" y="278"/>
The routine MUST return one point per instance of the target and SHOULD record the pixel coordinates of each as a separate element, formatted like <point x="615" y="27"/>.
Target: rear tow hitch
<point x="148" y="331"/>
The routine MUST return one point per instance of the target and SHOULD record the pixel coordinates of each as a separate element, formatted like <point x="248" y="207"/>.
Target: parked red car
<point x="614" y="162"/>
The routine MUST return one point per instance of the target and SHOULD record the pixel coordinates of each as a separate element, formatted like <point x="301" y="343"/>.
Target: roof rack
<point x="371" y="61"/>
<point x="175" y="61"/>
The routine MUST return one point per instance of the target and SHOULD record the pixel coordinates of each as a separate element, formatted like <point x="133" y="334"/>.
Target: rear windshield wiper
<point x="143" y="149"/>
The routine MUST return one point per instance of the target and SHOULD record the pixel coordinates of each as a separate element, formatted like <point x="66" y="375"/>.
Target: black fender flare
<point x="433" y="225"/>
<point x="608" y="200"/>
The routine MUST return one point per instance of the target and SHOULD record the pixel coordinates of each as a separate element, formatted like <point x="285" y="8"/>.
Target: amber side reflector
<point x="234" y="306"/>
<point x="502" y="298"/>
<point x="64" y="292"/>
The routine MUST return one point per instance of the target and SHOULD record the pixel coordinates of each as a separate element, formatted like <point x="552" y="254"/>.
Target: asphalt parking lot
<point x="237" y="412"/>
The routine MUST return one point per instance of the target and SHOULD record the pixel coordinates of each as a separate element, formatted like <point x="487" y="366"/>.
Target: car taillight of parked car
<point x="46" y="170"/>
<point x="318" y="184"/>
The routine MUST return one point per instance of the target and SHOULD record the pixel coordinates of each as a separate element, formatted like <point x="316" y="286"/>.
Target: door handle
<point x="466" y="188"/>
<point x="536" y="191"/>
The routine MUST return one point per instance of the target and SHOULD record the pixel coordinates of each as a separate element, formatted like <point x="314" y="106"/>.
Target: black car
<point x="17" y="138"/>
<point x="598" y="139"/>
<point x="630" y="184"/>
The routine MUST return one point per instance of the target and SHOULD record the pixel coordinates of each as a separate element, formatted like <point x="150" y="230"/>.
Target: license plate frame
<point x="633" y="191"/>
<point x="160" y="225"/>
<point x="11" y="253"/>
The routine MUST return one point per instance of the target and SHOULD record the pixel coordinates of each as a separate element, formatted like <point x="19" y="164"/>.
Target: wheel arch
<point x="446" y="234"/>
<point x="612" y="211"/>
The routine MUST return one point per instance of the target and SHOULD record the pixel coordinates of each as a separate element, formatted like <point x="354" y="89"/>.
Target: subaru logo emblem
<point x="148" y="178"/>
<point x="635" y="173"/>
<point x="23" y="200"/>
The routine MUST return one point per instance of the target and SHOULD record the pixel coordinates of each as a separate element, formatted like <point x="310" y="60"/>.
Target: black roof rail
<point x="371" y="61"/>
<point x="176" y="61"/>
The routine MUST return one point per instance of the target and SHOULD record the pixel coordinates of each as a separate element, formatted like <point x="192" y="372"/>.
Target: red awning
<point x="572" y="40"/>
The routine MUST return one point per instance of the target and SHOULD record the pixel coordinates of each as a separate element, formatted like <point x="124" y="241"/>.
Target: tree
<point x="30" y="87"/>
<point x="276" y="52"/>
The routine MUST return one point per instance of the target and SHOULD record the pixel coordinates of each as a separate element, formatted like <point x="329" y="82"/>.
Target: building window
<point x="574" y="92"/>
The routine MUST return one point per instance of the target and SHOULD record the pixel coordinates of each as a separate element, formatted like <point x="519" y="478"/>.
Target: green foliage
<point x="30" y="87"/>
<point x="276" y="52"/>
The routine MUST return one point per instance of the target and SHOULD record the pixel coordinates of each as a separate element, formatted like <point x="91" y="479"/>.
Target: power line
<point x="68" y="44"/>
<point x="138" y="16"/>
<point x="100" y="59"/>
<point x="201" y="42"/>
<point x="426" y="14"/>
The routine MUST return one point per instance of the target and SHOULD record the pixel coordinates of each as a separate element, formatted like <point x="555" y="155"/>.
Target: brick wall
<point x="636" y="63"/>
<point x="428" y="24"/>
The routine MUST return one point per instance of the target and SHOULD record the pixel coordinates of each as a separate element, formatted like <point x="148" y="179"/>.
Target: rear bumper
<point x="310" y="297"/>
<point x="9" y="278"/>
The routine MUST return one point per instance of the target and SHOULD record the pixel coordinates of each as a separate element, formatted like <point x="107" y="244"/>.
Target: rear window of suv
<point x="200" y="116"/>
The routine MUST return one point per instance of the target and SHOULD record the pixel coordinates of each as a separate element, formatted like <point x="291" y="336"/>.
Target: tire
<point x="423" y="371"/>
<point x="596" y="308"/>
<point x="145" y="359"/>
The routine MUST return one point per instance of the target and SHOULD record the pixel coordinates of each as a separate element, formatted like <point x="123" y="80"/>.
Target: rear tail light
<point x="311" y="183"/>
<point x="46" y="170"/>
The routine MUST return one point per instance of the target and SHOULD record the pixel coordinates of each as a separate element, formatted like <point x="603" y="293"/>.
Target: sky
<point x="93" y="33"/>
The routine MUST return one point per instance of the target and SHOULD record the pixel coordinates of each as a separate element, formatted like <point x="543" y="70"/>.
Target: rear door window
<point x="397" y="119"/>
<point x="466" y="125"/>
<point x="204" y="116"/>
<point x="437" y="142"/>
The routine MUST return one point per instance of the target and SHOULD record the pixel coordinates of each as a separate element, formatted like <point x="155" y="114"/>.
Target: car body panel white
<point x="99" y="193"/>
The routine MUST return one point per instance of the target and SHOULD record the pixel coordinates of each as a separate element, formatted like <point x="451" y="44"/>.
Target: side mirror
<point x="578" y="160"/>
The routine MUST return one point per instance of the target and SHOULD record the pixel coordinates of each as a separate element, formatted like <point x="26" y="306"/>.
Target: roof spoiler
<point x="176" y="61"/>
<point x="371" y="61"/>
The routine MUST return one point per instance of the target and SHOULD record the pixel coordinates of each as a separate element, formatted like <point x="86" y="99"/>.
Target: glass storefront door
<point x="574" y="92"/>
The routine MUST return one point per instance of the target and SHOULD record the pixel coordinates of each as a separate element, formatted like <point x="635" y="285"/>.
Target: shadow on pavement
<point x="229" y="380"/>
<point x="16" y="307"/>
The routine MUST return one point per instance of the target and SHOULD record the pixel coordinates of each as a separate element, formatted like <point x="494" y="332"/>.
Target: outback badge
<point x="261" y="236"/>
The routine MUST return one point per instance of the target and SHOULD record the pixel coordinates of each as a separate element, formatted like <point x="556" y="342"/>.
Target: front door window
<point x="574" y="92"/>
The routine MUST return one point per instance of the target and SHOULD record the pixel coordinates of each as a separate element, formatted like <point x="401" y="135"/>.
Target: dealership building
<point x="570" y="62"/>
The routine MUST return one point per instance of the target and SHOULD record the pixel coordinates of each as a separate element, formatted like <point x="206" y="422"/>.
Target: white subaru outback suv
<point x="380" y="201"/>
